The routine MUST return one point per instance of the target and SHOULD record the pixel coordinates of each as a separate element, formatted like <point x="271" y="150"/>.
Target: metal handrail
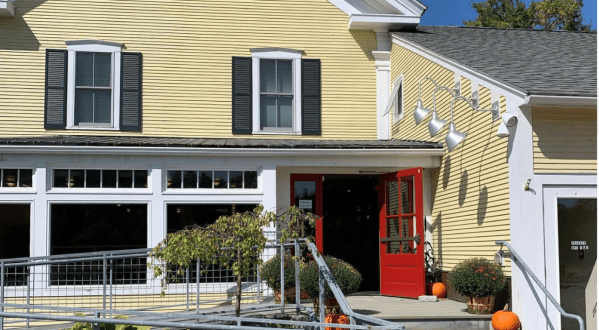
<point x="523" y="265"/>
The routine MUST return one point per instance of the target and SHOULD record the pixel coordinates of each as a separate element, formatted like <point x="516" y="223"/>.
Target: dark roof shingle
<point x="538" y="62"/>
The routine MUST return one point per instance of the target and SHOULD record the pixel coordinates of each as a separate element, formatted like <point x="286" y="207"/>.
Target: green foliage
<point x="477" y="277"/>
<point x="540" y="15"/>
<point x="107" y="326"/>
<point x="271" y="272"/>
<point x="347" y="277"/>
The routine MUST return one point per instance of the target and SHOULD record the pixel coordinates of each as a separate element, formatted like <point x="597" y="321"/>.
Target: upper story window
<point x="93" y="85"/>
<point x="396" y="98"/>
<point x="16" y="178"/>
<point x="276" y="92"/>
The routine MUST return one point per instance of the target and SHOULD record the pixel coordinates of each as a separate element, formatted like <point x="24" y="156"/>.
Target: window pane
<point x="77" y="179"/>
<point x="205" y="179"/>
<point x="109" y="179"/>
<point x="102" y="70"/>
<point x="190" y="179"/>
<point x="85" y="106"/>
<point x="141" y="179"/>
<point x="285" y="111"/>
<point x="60" y="178"/>
<point x="284" y="77"/>
<point x="125" y="179"/>
<point x="392" y="198"/>
<point x="92" y="179"/>
<point x="85" y="69"/>
<point x="25" y="178"/>
<point x="221" y="179"/>
<point x="236" y="179"/>
<point x="268" y="111"/>
<point x="251" y="179"/>
<point x="9" y="178"/>
<point x="173" y="179"/>
<point x="267" y="76"/>
<point x="102" y="106"/>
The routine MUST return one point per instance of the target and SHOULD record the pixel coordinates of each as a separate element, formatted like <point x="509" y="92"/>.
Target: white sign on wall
<point x="305" y="204"/>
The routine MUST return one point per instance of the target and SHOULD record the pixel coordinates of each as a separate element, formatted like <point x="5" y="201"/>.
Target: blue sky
<point x="453" y="12"/>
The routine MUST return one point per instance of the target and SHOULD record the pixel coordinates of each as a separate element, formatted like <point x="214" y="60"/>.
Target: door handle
<point x="401" y="239"/>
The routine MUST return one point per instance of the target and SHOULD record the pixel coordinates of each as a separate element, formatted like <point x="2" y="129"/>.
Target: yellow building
<point x="146" y="118"/>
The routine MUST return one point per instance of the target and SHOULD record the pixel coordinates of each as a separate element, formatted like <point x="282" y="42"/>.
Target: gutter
<point x="560" y="100"/>
<point x="235" y="152"/>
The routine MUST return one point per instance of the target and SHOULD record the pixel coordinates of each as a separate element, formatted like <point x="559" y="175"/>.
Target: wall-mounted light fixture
<point x="508" y="121"/>
<point x="454" y="137"/>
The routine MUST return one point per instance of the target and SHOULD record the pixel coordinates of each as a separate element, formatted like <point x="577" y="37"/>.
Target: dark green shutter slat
<point x="131" y="91"/>
<point x="242" y="95"/>
<point x="55" y="101"/>
<point x="311" y="97"/>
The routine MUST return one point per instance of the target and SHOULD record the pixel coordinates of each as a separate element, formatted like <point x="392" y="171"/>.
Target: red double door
<point x="401" y="227"/>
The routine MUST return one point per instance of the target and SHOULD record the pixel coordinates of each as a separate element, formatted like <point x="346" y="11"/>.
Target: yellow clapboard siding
<point x="564" y="140"/>
<point x="187" y="48"/>
<point x="470" y="189"/>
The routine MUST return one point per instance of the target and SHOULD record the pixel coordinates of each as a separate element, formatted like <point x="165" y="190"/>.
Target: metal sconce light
<point x="454" y="137"/>
<point x="421" y="112"/>
<point x="502" y="131"/>
<point x="509" y="120"/>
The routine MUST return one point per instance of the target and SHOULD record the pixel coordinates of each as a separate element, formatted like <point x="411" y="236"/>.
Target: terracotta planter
<point x="331" y="306"/>
<point x="289" y="296"/>
<point x="480" y="305"/>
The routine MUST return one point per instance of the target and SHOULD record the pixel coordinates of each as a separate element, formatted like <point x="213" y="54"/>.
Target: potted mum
<point x="270" y="272"/>
<point x="347" y="277"/>
<point x="480" y="280"/>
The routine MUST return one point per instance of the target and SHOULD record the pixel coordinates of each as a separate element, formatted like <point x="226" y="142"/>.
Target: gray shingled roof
<point x="128" y="141"/>
<point x="538" y="62"/>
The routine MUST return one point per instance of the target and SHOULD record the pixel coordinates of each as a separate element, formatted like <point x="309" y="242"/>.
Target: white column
<point x="156" y="213"/>
<point x="269" y="189"/>
<point x="382" y="64"/>
<point x="40" y="231"/>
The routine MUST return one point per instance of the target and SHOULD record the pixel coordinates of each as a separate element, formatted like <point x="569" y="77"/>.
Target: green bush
<point x="346" y="275"/>
<point x="271" y="272"/>
<point x="477" y="277"/>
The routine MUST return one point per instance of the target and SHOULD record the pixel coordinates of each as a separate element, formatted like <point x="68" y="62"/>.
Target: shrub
<point x="346" y="275"/>
<point x="271" y="272"/>
<point x="477" y="277"/>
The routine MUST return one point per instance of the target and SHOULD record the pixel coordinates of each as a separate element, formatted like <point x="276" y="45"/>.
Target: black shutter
<point x="55" y="102"/>
<point x="242" y="95"/>
<point x="131" y="90"/>
<point x="311" y="101"/>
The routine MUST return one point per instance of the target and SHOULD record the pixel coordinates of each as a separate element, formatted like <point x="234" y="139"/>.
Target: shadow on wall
<point x="436" y="228"/>
<point x="366" y="40"/>
<point x="446" y="171"/>
<point x="483" y="201"/>
<point x="16" y="34"/>
<point x="463" y="190"/>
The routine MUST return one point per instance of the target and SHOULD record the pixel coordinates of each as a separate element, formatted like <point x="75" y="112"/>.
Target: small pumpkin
<point x="336" y="318"/>
<point x="439" y="290"/>
<point x="505" y="320"/>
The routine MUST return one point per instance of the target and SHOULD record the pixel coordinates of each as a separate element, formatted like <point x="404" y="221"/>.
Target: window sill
<point x="101" y="191"/>
<point x="93" y="128"/>
<point x="27" y="190"/>
<point x="190" y="191"/>
<point x="276" y="133"/>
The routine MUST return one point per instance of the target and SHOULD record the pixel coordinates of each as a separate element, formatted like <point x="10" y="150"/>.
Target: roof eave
<point x="378" y="21"/>
<point x="561" y="100"/>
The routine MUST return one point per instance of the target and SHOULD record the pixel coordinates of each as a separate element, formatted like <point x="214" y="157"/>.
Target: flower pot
<point x="480" y="305"/>
<point x="331" y="306"/>
<point x="289" y="296"/>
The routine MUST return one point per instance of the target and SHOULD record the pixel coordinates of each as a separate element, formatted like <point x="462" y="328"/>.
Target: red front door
<point x="306" y="193"/>
<point x="401" y="233"/>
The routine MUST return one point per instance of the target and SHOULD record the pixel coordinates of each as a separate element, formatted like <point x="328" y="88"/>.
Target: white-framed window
<point x="276" y="88"/>
<point x="209" y="179"/>
<point x="398" y="110"/>
<point x="17" y="179"/>
<point x="93" y="84"/>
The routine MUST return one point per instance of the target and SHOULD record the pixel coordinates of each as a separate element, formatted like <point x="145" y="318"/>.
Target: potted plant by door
<point x="480" y="280"/>
<point x="270" y="272"/>
<point x="347" y="277"/>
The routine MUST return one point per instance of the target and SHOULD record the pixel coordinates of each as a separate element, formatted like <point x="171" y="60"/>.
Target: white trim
<point x="505" y="89"/>
<point x="94" y="46"/>
<point x="384" y="21"/>
<point x="382" y="65"/>
<point x="279" y="54"/>
<point x="547" y="100"/>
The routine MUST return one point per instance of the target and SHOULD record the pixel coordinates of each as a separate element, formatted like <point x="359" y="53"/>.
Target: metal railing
<point x="520" y="262"/>
<point x="94" y="287"/>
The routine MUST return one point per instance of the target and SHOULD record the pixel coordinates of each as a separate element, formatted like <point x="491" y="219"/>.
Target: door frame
<point x="551" y="193"/>
<point x="317" y="208"/>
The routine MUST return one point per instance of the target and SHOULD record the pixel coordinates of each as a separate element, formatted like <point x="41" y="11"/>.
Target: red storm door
<point x="306" y="193"/>
<point x="401" y="232"/>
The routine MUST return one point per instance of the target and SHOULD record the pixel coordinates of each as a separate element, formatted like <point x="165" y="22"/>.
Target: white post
<point x="383" y="70"/>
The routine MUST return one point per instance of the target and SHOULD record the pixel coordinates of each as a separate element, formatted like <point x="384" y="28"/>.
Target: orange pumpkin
<point x="336" y="318"/>
<point x="439" y="290"/>
<point x="505" y="320"/>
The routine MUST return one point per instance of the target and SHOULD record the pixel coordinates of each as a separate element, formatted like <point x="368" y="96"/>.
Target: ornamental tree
<point x="234" y="242"/>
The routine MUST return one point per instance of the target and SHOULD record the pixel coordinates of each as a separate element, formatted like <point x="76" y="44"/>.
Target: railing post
<point x="259" y="285"/>
<point x="298" y="298"/>
<point x="110" y="288"/>
<point x="104" y="281"/>
<point x="187" y="287"/>
<point x="28" y="294"/>
<point x="321" y="295"/>
<point x="198" y="287"/>
<point x="2" y="293"/>
<point x="282" y="279"/>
